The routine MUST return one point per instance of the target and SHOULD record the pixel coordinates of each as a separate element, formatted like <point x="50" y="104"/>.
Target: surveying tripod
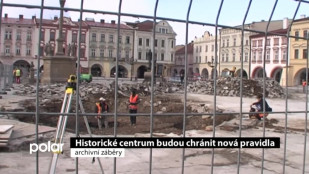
<point x="63" y="118"/>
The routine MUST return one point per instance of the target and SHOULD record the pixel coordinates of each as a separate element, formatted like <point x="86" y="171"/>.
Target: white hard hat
<point x="102" y="99"/>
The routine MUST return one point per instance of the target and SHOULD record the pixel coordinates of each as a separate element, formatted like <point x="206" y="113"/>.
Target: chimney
<point x="113" y="21"/>
<point x="285" y="23"/>
<point x="102" y="21"/>
<point x="21" y="17"/>
<point x="56" y="18"/>
<point x="302" y="16"/>
<point x="5" y="15"/>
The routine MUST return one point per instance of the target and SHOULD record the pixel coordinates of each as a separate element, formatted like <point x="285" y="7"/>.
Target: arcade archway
<point x="122" y="72"/>
<point x="96" y="70"/>
<point x="140" y="71"/>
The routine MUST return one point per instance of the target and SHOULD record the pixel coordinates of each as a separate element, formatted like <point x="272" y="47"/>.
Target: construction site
<point x="58" y="97"/>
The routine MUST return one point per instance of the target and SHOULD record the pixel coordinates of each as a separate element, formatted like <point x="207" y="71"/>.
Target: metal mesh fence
<point x="6" y="78"/>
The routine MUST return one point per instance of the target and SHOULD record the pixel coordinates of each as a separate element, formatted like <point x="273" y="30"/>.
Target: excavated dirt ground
<point x="162" y="124"/>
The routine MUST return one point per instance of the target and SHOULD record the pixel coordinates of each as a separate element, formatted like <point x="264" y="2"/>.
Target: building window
<point x="17" y="50"/>
<point x="254" y="56"/>
<point x="246" y="57"/>
<point x="276" y="55"/>
<point x="172" y="57"/>
<point x="305" y="34"/>
<point x="41" y="51"/>
<point x="102" y="53"/>
<point x="42" y="35"/>
<point x="172" y="44"/>
<point x="140" y="41"/>
<point x="110" y="53"/>
<point x="296" y="53"/>
<point x="29" y="35"/>
<point x="284" y="41"/>
<point x="268" y="42"/>
<point x="92" y="52"/>
<point x="267" y="55"/>
<point x="52" y="35"/>
<point x="128" y="40"/>
<point x="28" y="51"/>
<point x="102" y="37"/>
<point x="162" y="56"/>
<point x="212" y="48"/>
<point x="284" y="55"/>
<point x="260" y="43"/>
<point x="247" y="42"/>
<point x="127" y="54"/>
<point x="147" y="42"/>
<point x="296" y="35"/>
<point x="234" y="57"/>
<point x="227" y="58"/>
<point x="119" y="54"/>
<point x="260" y="55"/>
<point x="120" y="39"/>
<point x="254" y="43"/>
<point x="206" y="48"/>
<point x="83" y="38"/>
<point x="7" y="50"/>
<point x="200" y="48"/>
<point x="8" y="35"/>
<point x="111" y="38"/>
<point x="139" y="55"/>
<point x="82" y="52"/>
<point x="227" y="43"/>
<point x="163" y="43"/>
<point x="305" y="54"/>
<point x="222" y="58"/>
<point x="74" y="37"/>
<point x="93" y="37"/>
<point x="234" y="42"/>
<point x="223" y="43"/>
<point x="200" y="59"/>
<point x="196" y="49"/>
<point x="276" y="41"/>
<point x="156" y="43"/>
<point x="18" y="35"/>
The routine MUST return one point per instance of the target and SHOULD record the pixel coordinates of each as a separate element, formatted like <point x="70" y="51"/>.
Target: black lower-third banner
<point x="196" y="142"/>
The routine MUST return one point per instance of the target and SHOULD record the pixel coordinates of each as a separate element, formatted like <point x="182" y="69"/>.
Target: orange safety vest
<point x="99" y="108"/>
<point x="133" y="100"/>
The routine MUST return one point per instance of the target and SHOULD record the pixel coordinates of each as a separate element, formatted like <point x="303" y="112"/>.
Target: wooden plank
<point x="7" y="135"/>
<point x="5" y="128"/>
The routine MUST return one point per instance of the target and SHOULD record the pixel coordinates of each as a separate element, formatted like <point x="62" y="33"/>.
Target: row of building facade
<point x="283" y="56"/>
<point x="20" y="46"/>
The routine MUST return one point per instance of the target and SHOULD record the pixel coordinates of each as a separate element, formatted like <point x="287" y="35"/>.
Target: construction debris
<point x="231" y="87"/>
<point x="5" y="134"/>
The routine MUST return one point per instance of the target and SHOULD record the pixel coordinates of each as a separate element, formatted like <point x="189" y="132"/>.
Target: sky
<point x="205" y="11"/>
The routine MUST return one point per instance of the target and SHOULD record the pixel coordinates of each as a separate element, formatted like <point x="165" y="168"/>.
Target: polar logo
<point x="43" y="147"/>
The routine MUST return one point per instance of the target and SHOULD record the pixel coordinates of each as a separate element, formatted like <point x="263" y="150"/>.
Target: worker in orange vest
<point x="98" y="110"/>
<point x="133" y="102"/>
<point x="304" y="86"/>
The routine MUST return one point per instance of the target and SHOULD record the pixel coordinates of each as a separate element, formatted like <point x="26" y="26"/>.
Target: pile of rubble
<point x="231" y="87"/>
<point x="224" y="87"/>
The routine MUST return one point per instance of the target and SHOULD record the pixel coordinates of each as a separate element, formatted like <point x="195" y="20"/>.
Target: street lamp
<point x="60" y="38"/>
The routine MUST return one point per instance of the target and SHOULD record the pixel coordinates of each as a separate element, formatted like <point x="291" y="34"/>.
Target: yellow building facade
<point x="298" y="54"/>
